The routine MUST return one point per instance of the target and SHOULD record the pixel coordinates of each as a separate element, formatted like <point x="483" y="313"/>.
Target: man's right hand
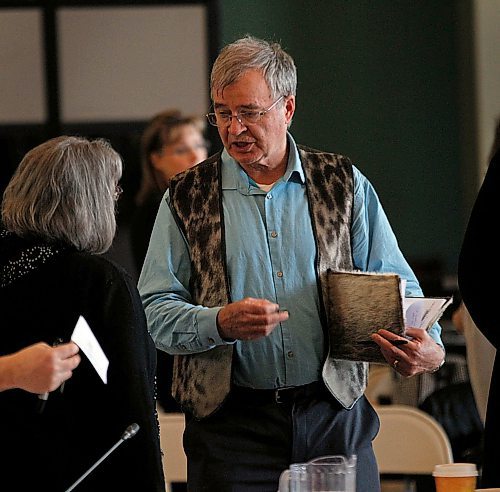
<point x="249" y="319"/>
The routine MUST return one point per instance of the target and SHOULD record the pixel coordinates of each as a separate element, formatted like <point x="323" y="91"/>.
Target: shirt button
<point x="211" y="340"/>
<point x="289" y="354"/>
<point x="274" y="234"/>
<point x="269" y="196"/>
<point x="279" y="274"/>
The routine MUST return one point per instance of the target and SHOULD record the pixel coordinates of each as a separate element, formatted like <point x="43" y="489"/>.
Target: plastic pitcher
<point x="323" y="474"/>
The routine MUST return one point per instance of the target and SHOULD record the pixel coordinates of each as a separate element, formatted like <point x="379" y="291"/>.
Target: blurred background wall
<point x="409" y="90"/>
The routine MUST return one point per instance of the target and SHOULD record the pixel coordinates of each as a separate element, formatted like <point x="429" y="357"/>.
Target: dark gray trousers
<point x="246" y="444"/>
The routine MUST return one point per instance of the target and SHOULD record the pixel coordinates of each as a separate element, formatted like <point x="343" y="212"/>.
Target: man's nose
<point x="236" y="124"/>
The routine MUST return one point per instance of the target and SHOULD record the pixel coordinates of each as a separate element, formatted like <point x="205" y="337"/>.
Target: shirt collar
<point x="235" y="178"/>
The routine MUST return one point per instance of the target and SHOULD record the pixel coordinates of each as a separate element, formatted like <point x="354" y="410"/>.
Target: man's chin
<point x="245" y="158"/>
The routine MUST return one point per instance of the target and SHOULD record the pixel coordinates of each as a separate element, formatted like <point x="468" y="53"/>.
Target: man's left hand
<point x="420" y="354"/>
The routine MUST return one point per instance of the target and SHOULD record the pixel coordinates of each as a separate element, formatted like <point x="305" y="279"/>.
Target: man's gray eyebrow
<point x="243" y="106"/>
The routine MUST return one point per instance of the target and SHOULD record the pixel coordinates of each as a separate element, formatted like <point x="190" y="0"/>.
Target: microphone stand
<point x="130" y="431"/>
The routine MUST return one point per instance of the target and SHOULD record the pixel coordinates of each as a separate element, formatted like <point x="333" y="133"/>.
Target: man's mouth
<point x="242" y="145"/>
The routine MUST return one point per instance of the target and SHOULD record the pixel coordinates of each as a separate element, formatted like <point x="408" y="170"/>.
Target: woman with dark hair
<point x="58" y="214"/>
<point x="170" y="144"/>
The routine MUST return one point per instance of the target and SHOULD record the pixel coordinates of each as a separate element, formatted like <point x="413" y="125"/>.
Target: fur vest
<point x="202" y="381"/>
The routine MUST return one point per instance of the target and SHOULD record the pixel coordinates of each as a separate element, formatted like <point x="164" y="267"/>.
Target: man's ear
<point x="289" y="108"/>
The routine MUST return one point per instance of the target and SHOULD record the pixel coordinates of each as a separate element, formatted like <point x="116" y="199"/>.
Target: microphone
<point x="129" y="432"/>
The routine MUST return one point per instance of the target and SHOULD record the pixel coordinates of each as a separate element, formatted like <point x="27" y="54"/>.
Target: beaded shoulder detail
<point x="19" y="257"/>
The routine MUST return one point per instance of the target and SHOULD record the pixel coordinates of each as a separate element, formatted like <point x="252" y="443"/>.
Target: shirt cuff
<point x="207" y="328"/>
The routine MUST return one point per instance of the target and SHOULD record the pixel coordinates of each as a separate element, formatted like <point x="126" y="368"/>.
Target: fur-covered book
<point x="360" y="303"/>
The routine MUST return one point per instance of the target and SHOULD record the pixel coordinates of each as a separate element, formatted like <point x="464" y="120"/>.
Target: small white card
<point x="86" y="340"/>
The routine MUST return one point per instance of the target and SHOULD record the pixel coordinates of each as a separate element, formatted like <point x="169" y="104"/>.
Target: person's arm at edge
<point x="477" y="270"/>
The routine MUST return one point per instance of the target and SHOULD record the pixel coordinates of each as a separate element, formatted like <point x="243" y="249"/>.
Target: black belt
<point x="288" y="394"/>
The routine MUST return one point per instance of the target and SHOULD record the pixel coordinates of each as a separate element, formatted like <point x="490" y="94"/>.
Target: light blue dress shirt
<point x="270" y="254"/>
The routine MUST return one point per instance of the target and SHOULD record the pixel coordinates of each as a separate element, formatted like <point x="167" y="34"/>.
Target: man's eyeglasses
<point x="248" y="117"/>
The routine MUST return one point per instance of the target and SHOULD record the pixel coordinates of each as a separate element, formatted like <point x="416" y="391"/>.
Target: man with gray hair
<point x="233" y="286"/>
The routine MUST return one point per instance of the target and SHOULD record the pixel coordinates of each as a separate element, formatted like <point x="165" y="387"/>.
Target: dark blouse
<point x="52" y="449"/>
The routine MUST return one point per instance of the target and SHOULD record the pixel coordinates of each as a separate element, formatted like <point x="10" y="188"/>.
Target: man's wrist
<point x="436" y="369"/>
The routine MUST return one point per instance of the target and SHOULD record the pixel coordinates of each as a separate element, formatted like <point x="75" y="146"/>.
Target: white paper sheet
<point x="86" y="340"/>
